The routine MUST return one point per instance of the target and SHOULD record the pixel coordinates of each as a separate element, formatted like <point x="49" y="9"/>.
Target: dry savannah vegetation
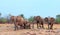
<point x="8" y="29"/>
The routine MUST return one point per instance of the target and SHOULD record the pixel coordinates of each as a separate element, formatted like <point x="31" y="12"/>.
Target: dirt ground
<point x="8" y="29"/>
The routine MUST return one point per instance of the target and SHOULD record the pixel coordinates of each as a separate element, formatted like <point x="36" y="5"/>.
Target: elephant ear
<point x="46" y="19"/>
<point x="52" y="19"/>
<point x="38" y="18"/>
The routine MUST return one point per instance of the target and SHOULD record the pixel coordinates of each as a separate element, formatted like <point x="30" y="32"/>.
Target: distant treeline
<point x="7" y="18"/>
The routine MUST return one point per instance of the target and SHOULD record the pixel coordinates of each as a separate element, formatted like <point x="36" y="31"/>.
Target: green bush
<point x="31" y="19"/>
<point x="3" y="20"/>
<point x="58" y="20"/>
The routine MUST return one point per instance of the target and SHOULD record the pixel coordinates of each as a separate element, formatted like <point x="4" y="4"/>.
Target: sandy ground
<point x="8" y="29"/>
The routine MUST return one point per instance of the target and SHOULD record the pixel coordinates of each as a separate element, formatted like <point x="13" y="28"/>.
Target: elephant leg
<point x="24" y="26"/>
<point x="48" y="26"/>
<point x="29" y="27"/>
<point x="42" y="26"/>
<point x="37" y="25"/>
<point x="51" y="26"/>
<point x="33" y="25"/>
<point x="16" y="27"/>
<point x="21" y="27"/>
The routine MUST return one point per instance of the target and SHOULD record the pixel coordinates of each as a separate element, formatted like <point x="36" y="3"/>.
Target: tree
<point x="22" y="15"/>
<point x="58" y="18"/>
<point x="3" y="20"/>
<point x="0" y="17"/>
<point x="8" y="17"/>
<point x="31" y="19"/>
<point x="0" y="14"/>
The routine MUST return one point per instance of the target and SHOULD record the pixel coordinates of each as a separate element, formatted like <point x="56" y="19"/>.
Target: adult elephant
<point x="38" y="20"/>
<point x="25" y="24"/>
<point x="19" y="21"/>
<point x="50" y="22"/>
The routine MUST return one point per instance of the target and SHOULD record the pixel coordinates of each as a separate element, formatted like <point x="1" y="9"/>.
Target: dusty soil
<point x="8" y="29"/>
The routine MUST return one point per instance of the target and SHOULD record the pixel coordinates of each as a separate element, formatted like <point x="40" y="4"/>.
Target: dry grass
<point x="8" y="29"/>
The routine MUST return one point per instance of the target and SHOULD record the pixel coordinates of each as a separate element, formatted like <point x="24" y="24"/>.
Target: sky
<point x="29" y="8"/>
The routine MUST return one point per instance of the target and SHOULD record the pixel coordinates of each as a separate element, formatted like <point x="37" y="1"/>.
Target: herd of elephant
<point x="25" y="24"/>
